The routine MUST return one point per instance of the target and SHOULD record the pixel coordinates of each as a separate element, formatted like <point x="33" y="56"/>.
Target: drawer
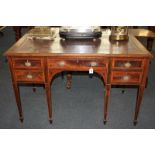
<point x="78" y="63"/>
<point x="126" y="77"/>
<point x="32" y="75"/>
<point x="127" y="63"/>
<point x="35" y="63"/>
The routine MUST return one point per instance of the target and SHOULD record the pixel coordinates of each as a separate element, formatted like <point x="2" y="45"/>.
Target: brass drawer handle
<point x="28" y="63"/>
<point x="127" y="64"/>
<point x="29" y="76"/>
<point x="61" y="63"/>
<point x="126" y="78"/>
<point x="93" y="64"/>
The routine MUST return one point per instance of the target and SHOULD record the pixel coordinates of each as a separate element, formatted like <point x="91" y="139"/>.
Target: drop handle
<point x="93" y="64"/>
<point x="126" y="77"/>
<point x="28" y="63"/>
<point x="127" y="64"/>
<point x="61" y="63"/>
<point x="29" y="76"/>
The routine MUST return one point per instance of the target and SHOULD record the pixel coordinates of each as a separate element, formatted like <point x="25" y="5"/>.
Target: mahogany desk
<point x="118" y="63"/>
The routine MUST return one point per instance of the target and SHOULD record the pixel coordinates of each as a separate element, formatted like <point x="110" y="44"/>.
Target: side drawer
<point x="26" y="75"/>
<point x="127" y="63"/>
<point x="126" y="77"/>
<point x="35" y="63"/>
<point x="76" y="63"/>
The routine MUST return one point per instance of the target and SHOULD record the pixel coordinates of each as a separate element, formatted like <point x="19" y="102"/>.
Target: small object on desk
<point x="119" y="33"/>
<point x="33" y="37"/>
<point x="80" y="32"/>
<point x="42" y="33"/>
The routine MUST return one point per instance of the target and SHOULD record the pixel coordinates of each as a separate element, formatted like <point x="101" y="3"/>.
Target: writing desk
<point x="118" y="63"/>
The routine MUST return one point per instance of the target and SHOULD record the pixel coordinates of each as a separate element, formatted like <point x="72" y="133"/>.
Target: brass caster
<point x="21" y="120"/>
<point x="135" y="123"/>
<point x="123" y="91"/>
<point x="34" y="89"/>
<point x="104" y="122"/>
<point x="51" y="121"/>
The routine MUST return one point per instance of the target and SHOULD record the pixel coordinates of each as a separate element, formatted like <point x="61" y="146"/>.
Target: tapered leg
<point x="146" y="83"/>
<point x="34" y="88"/>
<point x="150" y="44"/>
<point x="49" y="103"/>
<point x="18" y="101"/>
<point x="138" y="102"/>
<point x="69" y="81"/>
<point x="1" y="33"/>
<point x="150" y="40"/>
<point x="62" y="75"/>
<point x="106" y="102"/>
<point x="17" y="30"/>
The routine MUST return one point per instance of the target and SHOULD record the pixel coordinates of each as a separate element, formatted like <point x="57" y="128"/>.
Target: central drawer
<point x="76" y="63"/>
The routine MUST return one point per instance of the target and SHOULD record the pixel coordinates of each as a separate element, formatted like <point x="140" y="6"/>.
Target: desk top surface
<point x="103" y="46"/>
<point x="142" y="33"/>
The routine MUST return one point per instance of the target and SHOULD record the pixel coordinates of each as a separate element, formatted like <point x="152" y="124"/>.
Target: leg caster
<point x="34" y="89"/>
<point x="104" y="122"/>
<point x="51" y="121"/>
<point x="21" y="120"/>
<point x="123" y="91"/>
<point x="135" y="122"/>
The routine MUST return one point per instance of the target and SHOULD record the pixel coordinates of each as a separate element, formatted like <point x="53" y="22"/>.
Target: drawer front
<point x="126" y="77"/>
<point x="32" y="75"/>
<point x="35" y="63"/>
<point x="79" y="63"/>
<point x="127" y="64"/>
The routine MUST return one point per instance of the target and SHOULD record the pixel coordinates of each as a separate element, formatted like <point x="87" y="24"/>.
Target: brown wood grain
<point x="118" y="63"/>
